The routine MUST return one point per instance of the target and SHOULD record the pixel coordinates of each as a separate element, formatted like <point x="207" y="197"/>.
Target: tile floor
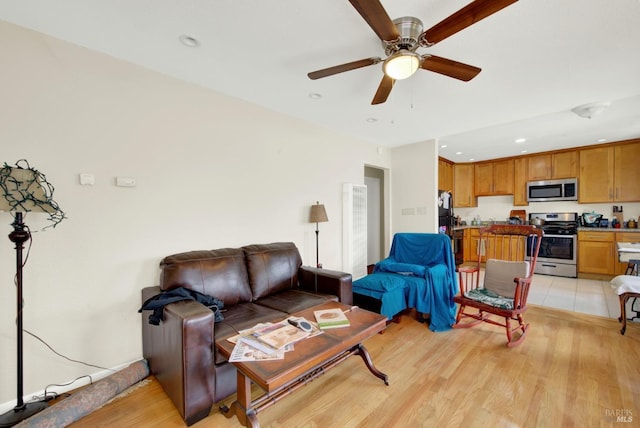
<point x="580" y="295"/>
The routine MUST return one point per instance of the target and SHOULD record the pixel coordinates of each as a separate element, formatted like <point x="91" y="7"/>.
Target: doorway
<point x="377" y="219"/>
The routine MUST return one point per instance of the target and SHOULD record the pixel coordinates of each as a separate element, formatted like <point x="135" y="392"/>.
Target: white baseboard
<point x="5" y="407"/>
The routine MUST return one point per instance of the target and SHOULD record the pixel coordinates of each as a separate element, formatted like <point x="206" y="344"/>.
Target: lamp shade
<point x="401" y="65"/>
<point x="318" y="213"/>
<point x="25" y="189"/>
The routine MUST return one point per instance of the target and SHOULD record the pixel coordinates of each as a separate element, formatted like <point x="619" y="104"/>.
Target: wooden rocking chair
<point x="509" y="254"/>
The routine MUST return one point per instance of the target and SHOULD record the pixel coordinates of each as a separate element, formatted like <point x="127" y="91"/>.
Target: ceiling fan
<point x="403" y="36"/>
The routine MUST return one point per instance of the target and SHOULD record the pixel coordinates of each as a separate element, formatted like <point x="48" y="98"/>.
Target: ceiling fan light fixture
<point x="401" y="64"/>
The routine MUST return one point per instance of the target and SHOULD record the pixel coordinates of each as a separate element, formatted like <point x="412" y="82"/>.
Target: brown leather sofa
<point x="257" y="283"/>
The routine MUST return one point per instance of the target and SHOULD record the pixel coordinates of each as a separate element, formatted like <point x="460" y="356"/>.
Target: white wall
<point x="414" y="185"/>
<point x="211" y="171"/>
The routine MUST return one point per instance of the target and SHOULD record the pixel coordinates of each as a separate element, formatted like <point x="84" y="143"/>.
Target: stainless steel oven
<point x="559" y="246"/>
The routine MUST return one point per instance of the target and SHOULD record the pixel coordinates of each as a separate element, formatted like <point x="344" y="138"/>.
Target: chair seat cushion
<point x="490" y="298"/>
<point x="626" y="283"/>
<point x="380" y="281"/>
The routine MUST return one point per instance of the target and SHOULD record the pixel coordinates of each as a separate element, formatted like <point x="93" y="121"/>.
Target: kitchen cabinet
<point x="609" y="174"/>
<point x="445" y="175"/>
<point x="520" y="174"/>
<point x="472" y="239"/>
<point x="626" y="174"/>
<point x="466" y="248"/>
<point x="463" y="178"/>
<point x="539" y="167"/>
<point x="564" y="164"/>
<point x="595" y="182"/>
<point x="553" y="166"/>
<point x="494" y="178"/>
<point x="597" y="252"/>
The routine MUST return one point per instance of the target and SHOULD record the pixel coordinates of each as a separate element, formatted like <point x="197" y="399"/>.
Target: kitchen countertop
<point x="580" y="229"/>
<point x="607" y="229"/>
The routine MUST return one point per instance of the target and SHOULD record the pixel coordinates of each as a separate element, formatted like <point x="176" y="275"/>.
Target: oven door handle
<point x="559" y="236"/>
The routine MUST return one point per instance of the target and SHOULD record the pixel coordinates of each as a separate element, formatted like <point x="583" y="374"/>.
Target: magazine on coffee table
<point x="245" y="352"/>
<point x="269" y="340"/>
<point x="331" y="318"/>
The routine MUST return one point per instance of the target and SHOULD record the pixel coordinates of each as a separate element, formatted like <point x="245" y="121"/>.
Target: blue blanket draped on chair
<point x="427" y="256"/>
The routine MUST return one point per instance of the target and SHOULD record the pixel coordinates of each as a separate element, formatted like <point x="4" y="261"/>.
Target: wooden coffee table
<point x="311" y="358"/>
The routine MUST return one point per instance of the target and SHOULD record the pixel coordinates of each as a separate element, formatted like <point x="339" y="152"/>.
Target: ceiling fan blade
<point x="373" y="12"/>
<point x="325" y="72"/>
<point x="450" y="68"/>
<point x="386" y="84"/>
<point x="468" y="15"/>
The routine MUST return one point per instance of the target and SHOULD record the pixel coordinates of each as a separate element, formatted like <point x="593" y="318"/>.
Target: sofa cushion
<point x="242" y="317"/>
<point x="291" y="301"/>
<point x="272" y="267"/>
<point x="219" y="273"/>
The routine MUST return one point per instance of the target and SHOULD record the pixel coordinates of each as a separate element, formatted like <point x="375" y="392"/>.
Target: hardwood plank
<point x="572" y="370"/>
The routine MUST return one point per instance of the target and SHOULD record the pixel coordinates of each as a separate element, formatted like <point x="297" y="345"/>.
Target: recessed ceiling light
<point x="444" y="146"/>
<point x="315" y="96"/>
<point x="521" y="140"/>
<point x="472" y="159"/>
<point x="458" y="153"/>
<point x="524" y="151"/>
<point x="602" y="140"/>
<point x="371" y="120"/>
<point x="189" y="41"/>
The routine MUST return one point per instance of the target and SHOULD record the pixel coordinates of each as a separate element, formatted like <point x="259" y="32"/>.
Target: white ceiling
<point x="539" y="59"/>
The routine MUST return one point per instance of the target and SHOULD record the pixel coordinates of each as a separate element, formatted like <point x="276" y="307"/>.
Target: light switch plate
<point x="87" y="179"/>
<point x="125" y="182"/>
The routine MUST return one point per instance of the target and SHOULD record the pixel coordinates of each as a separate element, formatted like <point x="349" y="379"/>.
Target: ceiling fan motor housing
<point x="410" y="29"/>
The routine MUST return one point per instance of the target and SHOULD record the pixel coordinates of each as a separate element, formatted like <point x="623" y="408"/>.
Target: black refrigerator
<point x="446" y="224"/>
<point x="445" y="212"/>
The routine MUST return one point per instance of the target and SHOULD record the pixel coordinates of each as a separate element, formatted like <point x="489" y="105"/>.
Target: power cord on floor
<point x="49" y="396"/>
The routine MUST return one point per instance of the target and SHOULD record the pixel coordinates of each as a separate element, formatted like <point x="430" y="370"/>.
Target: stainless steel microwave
<point x="553" y="190"/>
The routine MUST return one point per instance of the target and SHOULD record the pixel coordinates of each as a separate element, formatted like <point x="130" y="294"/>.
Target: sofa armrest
<point x="327" y="282"/>
<point x="180" y="355"/>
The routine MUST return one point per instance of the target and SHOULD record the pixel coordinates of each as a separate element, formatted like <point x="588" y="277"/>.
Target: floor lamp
<point x="24" y="189"/>
<point x="318" y="215"/>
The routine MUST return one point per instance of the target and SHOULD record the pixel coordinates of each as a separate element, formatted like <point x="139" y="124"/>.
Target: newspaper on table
<point x="263" y="341"/>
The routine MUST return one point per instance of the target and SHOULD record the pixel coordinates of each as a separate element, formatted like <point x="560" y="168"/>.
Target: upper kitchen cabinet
<point x="564" y="165"/>
<point x="539" y="167"/>
<point x="609" y="174"/>
<point x="520" y="167"/>
<point x="595" y="182"/>
<point x="552" y="166"/>
<point x="445" y="174"/>
<point x="626" y="174"/>
<point x="463" y="177"/>
<point x="494" y="178"/>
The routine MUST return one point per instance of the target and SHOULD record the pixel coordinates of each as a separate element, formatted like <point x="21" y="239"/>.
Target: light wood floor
<point x="573" y="370"/>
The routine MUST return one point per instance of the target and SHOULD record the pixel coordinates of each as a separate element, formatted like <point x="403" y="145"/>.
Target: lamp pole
<point x="21" y="411"/>
<point x="317" y="247"/>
